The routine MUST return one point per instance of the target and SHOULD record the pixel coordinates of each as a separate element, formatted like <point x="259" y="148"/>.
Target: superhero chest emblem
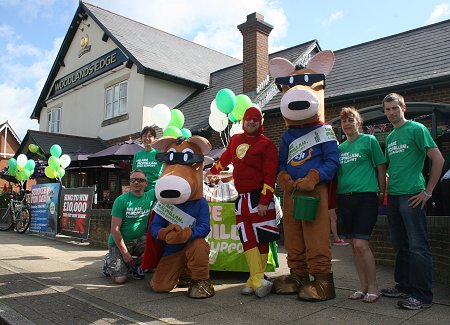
<point x="241" y="150"/>
<point x="301" y="158"/>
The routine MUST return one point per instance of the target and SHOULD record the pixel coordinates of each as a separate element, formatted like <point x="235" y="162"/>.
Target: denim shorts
<point x="358" y="212"/>
<point x="116" y="265"/>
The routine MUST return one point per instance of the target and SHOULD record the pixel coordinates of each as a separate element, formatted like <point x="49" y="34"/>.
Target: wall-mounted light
<point x="105" y="37"/>
<point x="129" y="64"/>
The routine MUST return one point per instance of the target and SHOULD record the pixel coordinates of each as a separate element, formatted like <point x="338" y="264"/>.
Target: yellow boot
<point x="256" y="281"/>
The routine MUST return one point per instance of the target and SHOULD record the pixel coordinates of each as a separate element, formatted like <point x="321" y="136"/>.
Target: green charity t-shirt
<point x="406" y="148"/>
<point x="146" y="161"/>
<point x="358" y="165"/>
<point x="135" y="212"/>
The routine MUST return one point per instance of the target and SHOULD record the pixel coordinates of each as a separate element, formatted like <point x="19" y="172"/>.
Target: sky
<point x="32" y="31"/>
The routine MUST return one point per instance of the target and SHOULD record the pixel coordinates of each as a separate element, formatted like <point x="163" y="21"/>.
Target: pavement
<point x="59" y="281"/>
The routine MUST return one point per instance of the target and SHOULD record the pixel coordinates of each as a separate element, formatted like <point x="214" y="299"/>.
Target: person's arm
<point x="116" y="223"/>
<point x="270" y="168"/>
<point x="381" y="177"/>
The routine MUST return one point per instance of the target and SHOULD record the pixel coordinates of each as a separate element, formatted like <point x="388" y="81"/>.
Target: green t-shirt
<point x="406" y="148"/>
<point x="146" y="161"/>
<point x="135" y="212"/>
<point x="358" y="165"/>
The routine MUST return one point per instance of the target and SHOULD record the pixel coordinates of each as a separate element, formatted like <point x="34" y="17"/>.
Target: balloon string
<point x="220" y="136"/>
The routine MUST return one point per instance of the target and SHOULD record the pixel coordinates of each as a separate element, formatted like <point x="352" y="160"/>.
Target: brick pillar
<point x="255" y="32"/>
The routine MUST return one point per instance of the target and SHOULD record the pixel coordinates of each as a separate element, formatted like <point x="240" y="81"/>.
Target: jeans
<point x="409" y="235"/>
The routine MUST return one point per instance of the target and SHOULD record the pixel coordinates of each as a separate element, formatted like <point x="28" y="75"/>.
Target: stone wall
<point x="100" y="228"/>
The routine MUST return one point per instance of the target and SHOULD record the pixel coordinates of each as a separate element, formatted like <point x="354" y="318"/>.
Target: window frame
<point x="116" y="100"/>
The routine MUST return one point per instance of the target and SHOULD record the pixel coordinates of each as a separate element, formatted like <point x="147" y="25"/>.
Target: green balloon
<point x="172" y="131"/>
<point x="33" y="148"/>
<point x="50" y="172"/>
<point x="232" y="118"/>
<point x="186" y="133"/>
<point x="177" y="118"/>
<point x="225" y="100"/>
<point x="54" y="163"/>
<point x="30" y="165"/>
<point x="25" y="174"/>
<point x="12" y="172"/>
<point x="56" y="150"/>
<point x="242" y="103"/>
<point x="61" y="172"/>
<point x="12" y="163"/>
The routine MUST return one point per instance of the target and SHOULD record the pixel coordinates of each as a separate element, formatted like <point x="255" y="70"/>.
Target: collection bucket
<point x="305" y="207"/>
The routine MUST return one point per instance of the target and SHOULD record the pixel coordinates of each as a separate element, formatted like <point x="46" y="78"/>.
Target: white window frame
<point x="116" y="100"/>
<point x="54" y="120"/>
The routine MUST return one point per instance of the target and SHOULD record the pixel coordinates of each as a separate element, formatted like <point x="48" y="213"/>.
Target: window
<point x="116" y="100"/>
<point x="54" y="120"/>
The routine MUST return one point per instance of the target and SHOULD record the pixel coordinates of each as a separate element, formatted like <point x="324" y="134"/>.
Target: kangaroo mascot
<point x="308" y="160"/>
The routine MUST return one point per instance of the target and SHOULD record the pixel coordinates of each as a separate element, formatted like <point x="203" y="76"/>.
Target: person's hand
<point x="127" y="258"/>
<point x="309" y="182"/>
<point x="179" y="236"/>
<point x="162" y="233"/>
<point x="285" y="181"/>
<point x="262" y="209"/>
<point x="417" y="199"/>
<point x="380" y="198"/>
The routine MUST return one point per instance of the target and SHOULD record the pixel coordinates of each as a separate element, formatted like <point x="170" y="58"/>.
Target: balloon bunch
<point x="57" y="163"/>
<point x="171" y="121"/>
<point x="22" y="168"/>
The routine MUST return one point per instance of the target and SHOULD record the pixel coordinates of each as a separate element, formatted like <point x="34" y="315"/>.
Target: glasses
<point x="137" y="180"/>
<point x="300" y="79"/>
<point x="252" y="119"/>
<point x="182" y="158"/>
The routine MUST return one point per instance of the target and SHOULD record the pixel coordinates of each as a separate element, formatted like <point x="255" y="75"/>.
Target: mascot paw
<point x="179" y="237"/>
<point x="321" y="289"/>
<point x="200" y="289"/>
<point x="163" y="232"/>
<point x="289" y="284"/>
<point x="285" y="181"/>
<point x="309" y="182"/>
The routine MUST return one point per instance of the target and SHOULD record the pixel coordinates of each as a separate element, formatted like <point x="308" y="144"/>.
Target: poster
<point x="44" y="209"/>
<point x="76" y="206"/>
<point x="226" y="251"/>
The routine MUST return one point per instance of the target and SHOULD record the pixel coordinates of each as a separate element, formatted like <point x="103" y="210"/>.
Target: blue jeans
<point x="409" y="235"/>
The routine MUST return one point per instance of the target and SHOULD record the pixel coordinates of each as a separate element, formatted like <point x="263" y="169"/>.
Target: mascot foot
<point x="264" y="289"/>
<point x="200" y="289"/>
<point x="185" y="278"/>
<point x="322" y="288"/>
<point x="289" y="284"/>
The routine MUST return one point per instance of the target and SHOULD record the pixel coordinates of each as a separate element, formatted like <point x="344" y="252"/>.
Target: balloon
<point x="217" y="124"/>
<point x="160" y="115"/>
<point x="225" y="100"/>
<point x="232" y="118"/>
<point x="33" y="148"/>
<point x="242" y="103"/>
<point x="172" y="131"/>
<point x="56" y="150"/>
<point x="61" y="172"/>
<point x="12" y="163"/>
<point x="22" y="160"/>
<point x="30" y="165"/>
<point x="25" y="174"/>
<point x="65" y="160"/>
<point x="177" y="118"/>
<point x="54" y="163"/>
<point x="186" y="133"/>
<point x="12" y="172"/>
<point x="50" y="172"/>
<point x="215" y="110"/>
<point x="236" y="128"/>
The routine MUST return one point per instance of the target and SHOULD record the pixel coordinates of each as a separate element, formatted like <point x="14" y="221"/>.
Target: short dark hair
<point x="394" y="97"/>
<point x="148" y="129"/>
<point x="137" y="170"/>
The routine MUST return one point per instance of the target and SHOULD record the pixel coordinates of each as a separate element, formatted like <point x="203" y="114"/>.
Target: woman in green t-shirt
<point x="361" y="186"/>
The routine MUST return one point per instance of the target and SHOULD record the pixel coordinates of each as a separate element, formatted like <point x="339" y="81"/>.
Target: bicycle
<point x="17" y="214"/>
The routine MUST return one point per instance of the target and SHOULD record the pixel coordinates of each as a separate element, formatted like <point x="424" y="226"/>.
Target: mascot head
<point x="303" y="100"/>
<point x="182" y="176"/>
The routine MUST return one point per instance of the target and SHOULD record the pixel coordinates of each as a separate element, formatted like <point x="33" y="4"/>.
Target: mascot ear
<point x="201" y="143"/>
<point x="280" y="67"/>
<point x="322" y="62"/>
<point x="163" y="143"/>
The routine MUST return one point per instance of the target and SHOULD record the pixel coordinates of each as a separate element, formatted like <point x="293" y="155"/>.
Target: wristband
<point x="380" y="193"/>
<point x="426" y="193"/>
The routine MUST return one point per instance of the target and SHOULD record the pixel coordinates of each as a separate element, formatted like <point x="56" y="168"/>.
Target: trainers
<point x="393" y="292"/>
<point x="246" y="291"/>
<point x="136" y="272"/>
<point x="340" y="243"/>
<point x="264" y="289"/>
<point x="412" y="304"/>
<point x="105" y="270"/>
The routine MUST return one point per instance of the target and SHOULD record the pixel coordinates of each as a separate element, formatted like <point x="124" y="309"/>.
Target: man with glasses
<point x="126" y="242"/>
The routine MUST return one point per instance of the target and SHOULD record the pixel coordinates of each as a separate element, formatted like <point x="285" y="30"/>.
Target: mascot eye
<point x="188" y="153"/>
<point x="171" y="155"/>
<point x="291" y="80"/>
<point x="306" y="78"/>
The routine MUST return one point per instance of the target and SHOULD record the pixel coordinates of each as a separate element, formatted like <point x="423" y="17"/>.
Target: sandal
<point x="357" y="295"/>
<point x="371" y="297"/>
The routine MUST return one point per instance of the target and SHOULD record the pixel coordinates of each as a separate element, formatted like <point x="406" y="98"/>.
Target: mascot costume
<point x="182" y="220"/>
<point x="308" y="160"/>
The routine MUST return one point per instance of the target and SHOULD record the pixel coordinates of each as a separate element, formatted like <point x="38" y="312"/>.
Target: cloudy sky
<point x="31" y="32"/>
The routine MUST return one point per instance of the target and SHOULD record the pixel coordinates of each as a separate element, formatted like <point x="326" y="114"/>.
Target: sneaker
<point x="105" y="270"/>
<point x="246" y="291"/>
<point x="264" y="289"/>
<point x="136" y="272"/>
<point x="393" y="292"/>
<point x="412" y="304"/>
<point x="340" y="243"/>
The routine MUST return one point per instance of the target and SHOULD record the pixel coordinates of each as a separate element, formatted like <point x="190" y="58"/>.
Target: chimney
<point x="255" y="32"/>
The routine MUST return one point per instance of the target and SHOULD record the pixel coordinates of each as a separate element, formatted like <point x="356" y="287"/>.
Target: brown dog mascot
<point x="308" y="159"/>
<point x="182" y="219"/>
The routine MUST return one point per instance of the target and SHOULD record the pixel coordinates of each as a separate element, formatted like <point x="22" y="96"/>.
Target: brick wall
<point x="100" y="227"/>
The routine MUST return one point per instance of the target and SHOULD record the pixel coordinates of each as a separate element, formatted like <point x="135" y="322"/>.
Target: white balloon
<point x="216" y="111"/>
<point x="22" y="160"/>
<point x="236" y="128"/>
<point x="160" y="115"/>
<point x="218" y="124"/>
<point x="64" y="160"/>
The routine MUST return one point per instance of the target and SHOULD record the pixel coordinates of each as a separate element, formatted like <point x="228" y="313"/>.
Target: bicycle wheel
<point x="23" y="223"/>
<point x="6" y="219"/>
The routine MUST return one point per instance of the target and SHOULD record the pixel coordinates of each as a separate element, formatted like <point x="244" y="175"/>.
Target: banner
<point x="76" y="209"/>
<point x="44" y="209"/>
<point x="226" y="251"/>
<point x="174" y="215"/>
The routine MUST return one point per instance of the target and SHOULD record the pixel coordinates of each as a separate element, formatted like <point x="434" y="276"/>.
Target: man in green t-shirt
<point x="406" y="148"/>
<point x="129" y="222"/>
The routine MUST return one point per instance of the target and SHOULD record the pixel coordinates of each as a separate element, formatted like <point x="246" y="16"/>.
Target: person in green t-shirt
<point x="406" y="148"/>
<point x="361" y="185"/>
<point x="145" y="159"/>
<point x="129" y="220"/>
